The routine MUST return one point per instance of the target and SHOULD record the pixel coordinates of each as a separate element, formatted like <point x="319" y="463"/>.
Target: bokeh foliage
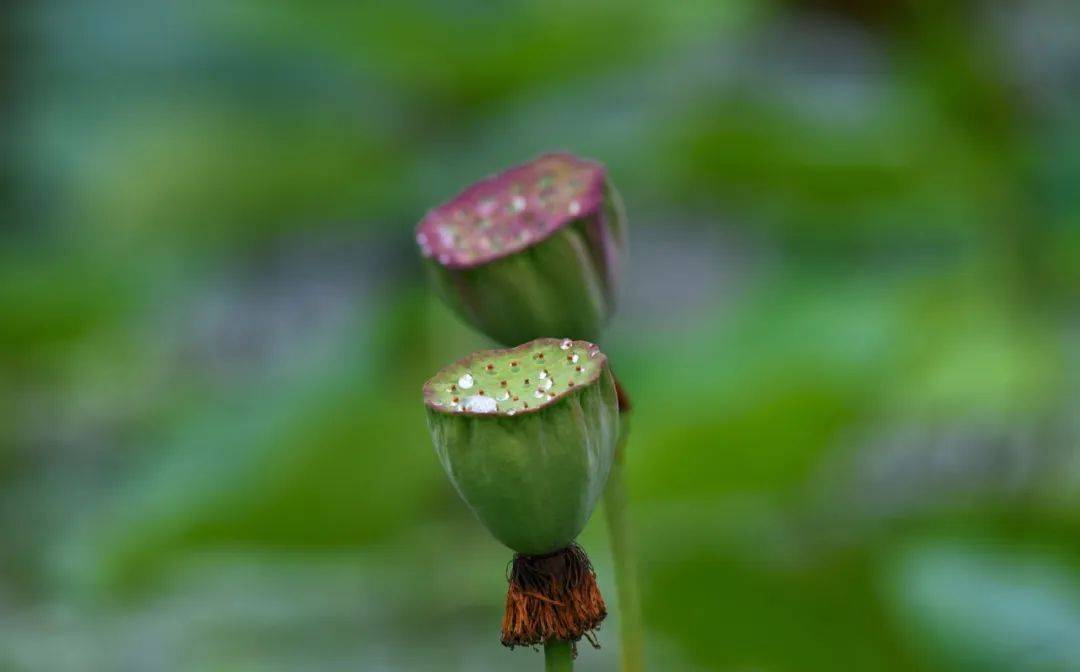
<point x="850" y="327"/>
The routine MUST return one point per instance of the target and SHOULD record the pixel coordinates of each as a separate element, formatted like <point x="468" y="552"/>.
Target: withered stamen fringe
<point x="552" y="597"/>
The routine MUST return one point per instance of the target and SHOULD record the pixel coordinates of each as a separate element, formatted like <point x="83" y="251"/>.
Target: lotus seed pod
<point x="531" y="252"/>
<point x="527" y="436"/>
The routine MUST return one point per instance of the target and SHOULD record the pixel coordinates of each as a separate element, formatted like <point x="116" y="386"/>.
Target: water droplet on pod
<point x="480" y="404"/>
<point x="465" y="382"/>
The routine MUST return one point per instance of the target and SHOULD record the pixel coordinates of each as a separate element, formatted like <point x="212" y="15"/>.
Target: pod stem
<point x="558" y="656"/>
<point x="632" y="631"/>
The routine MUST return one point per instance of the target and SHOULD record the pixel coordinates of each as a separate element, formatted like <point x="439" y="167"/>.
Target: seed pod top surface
<point x="508" y="212"/>
<point x="524" y="379"/>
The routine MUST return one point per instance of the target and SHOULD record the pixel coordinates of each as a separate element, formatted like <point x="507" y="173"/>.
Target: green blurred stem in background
<point x="626" y="587"/>
<point x="558" y="656"/>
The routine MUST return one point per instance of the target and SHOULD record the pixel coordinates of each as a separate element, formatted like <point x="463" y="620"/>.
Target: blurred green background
<point x="850" y="327"/>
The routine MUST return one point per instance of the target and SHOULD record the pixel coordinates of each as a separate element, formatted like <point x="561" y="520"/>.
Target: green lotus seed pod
<point x="531" y="252"/>
<point x="527" y="437"/>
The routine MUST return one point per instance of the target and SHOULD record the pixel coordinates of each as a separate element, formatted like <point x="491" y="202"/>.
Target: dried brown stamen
<point x="552" y="597"/>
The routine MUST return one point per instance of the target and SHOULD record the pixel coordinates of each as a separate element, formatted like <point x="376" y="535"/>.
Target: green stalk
<point x="626" y="587"/>
<point x="558" y="656"/>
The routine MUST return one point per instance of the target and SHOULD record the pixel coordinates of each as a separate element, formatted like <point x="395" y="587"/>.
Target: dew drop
<point x="502" y="396"/>
<point x="519" y="203"/>
<point x="575" y="359"/>
<point x="565" y="345"/>
<point x="511" y="412"/>
<point x="546" y="385"/>
<point x="465" y="382"/>
<point x="543" y="374"/>
<point x="480" y="404"/>
<point x="575" y="208"/>
<point x="539" y="394"/>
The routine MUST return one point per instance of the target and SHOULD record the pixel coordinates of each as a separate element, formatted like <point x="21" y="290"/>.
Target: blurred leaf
<point x="984" y="607"/>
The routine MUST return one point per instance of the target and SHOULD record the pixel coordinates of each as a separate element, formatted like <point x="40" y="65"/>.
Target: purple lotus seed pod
<point x="531" y="252"/>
